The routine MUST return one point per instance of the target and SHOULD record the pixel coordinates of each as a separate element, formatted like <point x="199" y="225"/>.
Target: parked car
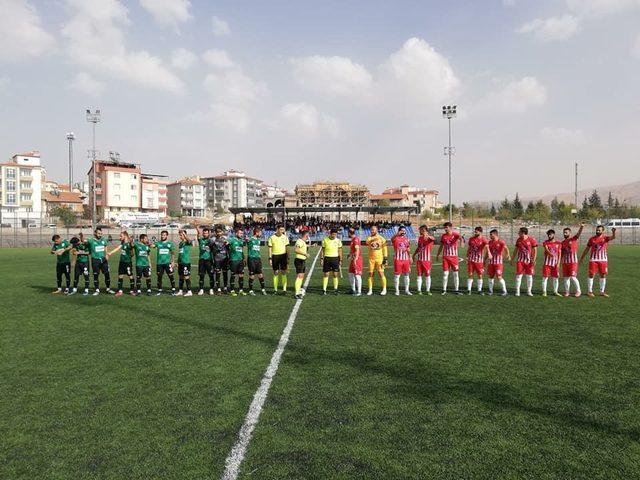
<point x="159" y="225"/>
<point x="5" y="225"/>
<point x="174" y="225"/>
<point x="50" y="225"/>
<point x="32" y="225"/>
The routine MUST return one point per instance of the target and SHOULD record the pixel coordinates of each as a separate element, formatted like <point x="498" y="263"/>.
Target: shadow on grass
<point x="424" y="381"/>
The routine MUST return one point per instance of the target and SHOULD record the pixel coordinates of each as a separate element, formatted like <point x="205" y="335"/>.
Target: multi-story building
<point x="187" y="197"/>
<point x="332" y="194"/>
<point x="233" y="189"/>
<point x="154" y="195"/>
<point x="273" y="196"/>
<point x="406" y="196"/>
<point x="21" y="181"/>
<point x="118" y="188"/>
<point x="59" y="198"/>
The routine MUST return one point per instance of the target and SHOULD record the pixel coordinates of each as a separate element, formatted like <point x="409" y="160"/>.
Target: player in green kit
<point x="236" y="262"/>
<point x="184" y="264"/>
<point x="142" y="250"/>
<point x="254" y="260"/>
<point x="61" y="249"/>
<point x="99" y="261"/>
<point x="164" y="261"/>
<point x="80" y="251"/>
<point x="125" y="265"/>
<point x="205" y="263"/>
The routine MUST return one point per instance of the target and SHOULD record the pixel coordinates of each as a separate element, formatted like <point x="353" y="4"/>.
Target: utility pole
<point x="575" y="195"/>
<point x="449" y="112"/>
<point x="93" y="118"/>
<point x="71" y="137"/>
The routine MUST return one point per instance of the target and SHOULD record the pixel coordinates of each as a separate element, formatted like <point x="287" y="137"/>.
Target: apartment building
<point x="21" y="181"/>
<point x="118" y="188"/>
<point x="332" y="194"/>
<point x="233" y="189"/>
<point x="154" y="195"/>
<point x="187" y="197"/>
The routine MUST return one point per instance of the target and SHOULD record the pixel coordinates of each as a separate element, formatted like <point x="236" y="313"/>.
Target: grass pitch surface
<point x="370" y="387"/>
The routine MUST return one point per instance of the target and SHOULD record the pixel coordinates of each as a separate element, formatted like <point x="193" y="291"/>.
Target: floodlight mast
<point x="70" y="138"/>
<point x="449" y="112"/>
<point x="93" y="118"/>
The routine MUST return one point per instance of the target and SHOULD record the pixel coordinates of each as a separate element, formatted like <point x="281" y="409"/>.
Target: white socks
<point x="419" y="283"/>
<point x="359" y="284"/>
<point x="544" y="284"/>
<point x="480" y="282"/>
<point x="590" y="284"/>
<point x="576" y="283"/>
<point x="603" y="284"/>
<point x="567" y="284"/>
<point x="396" y="282"/>
<point x="456" y="281"/>
<point x="491" y="285"/>
<point x="503" y="284"/>
<point x="469" y="284"/>
<point x="518" y="283"/>
<point x="352" y="281"/>
<point x="445" y="280"/>
<point x="407" y="282"/>
<point x="529" y="283"/>
<point x="556" y="284"/>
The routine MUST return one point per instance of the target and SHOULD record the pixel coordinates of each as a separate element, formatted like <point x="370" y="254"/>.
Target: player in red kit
<point x="422" y="257"/>
<point x="598" y="260"/>
<point x="401" y="259"/>
<point x="355" y="263"/>
<point x="525" y="255"/>
<point x="477" y="247"/>
<point x="569" y="260"/>
<point x="498" y="248"/>
<point x="552" y="251"/>
<point x="449" y="243"/>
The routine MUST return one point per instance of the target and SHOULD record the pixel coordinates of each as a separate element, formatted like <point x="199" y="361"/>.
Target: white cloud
<point x="183" y="59"/>
<point x="563" y="136"/>
<point x="168" y="13"/>
<point x="85" y="83"/>
<point x="518" y="96"/>
<point x="96" y="42"/>
<point x="234" y="88"/>
<point x="305" y="119"/>
<point x="219" y="27"/>
<point x="417" y="75"/>
<point x="21" y="32"/>
<point x="552" y="29"/>
<point x="334" y="76"/>
<point x="218" y="59"/>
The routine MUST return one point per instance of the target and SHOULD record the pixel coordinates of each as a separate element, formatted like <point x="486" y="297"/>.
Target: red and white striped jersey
<point x="475" y="252"/>
<point x="570" y="250"/>
<point x="525" y="248"/>
<point x="401" y="248"/>
<point x="598" y="245"/>
<point x="424" y="248"/>
<point x="496" y="247"/>
<point x="555" y="247"/>
<point x="449" y="243"/>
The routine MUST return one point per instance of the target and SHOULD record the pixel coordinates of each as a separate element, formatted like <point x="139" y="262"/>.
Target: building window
<point x="116" y="175"/>
<point x="25" y="172"/>
<point x="116" y="198"/>
<point x="11" y="186"/>
<point x="25" y="197"/>
<point x="11" y="198"/>
<point x="134" y="176"/>
<point x="134" y="186"/>
<point x="134" y="198"/>
<point x="116" y="186"/>
<point x="11" y="173"/>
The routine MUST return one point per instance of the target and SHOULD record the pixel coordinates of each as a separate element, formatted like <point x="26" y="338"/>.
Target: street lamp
<point x="449" y="112"/>
<point x="71" y="137"/>
<point x="93" y="118"/>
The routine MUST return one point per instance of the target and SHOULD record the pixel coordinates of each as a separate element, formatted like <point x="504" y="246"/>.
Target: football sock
<point x="384" y="283"/>
<point x="407" y="282"/>
<point x="480" y="282"/>
<point x="503" y="284"/>
<point x="325" y="282"/>
<point x="359" y="283"/>
<point x="427" y="285"/>
<point x="456" y="281"/>
<point x="251" y="283"/>
<point x="567" y="284"/>
<point x="603" y="284"/>
<point x="232" y="283"/>
<point x="284" y="282"/>
<point x="491" y="285"/>
<point x="261" y="282"/>
<point x="352" y="282"/>
<point x="148" y="280"/>
<point x="529" y="283"/>
<point x="419" y="283"/>
<point x="225" y="278"/>
<point x="188" y="282"/>
<point x="556" y="284"/>
<point x="298" y="285"/>
<point x="68" y="278"/>
<point x="576" y="283"/>
<point x="469" y="284"/>
<point x="544" y="284"/>
<point x="241" y="283"/>
<point x="370" y="283"/>
<point x="590" y="284"/>
<point x="201" y="281"/>
<point x="445" y="280"/>
<point x="172" y="281"/>
<point x="276" y="281"/>
<point x="59" y="279"/>
<point x="396" y="282"/>
<point x="217" y="280"/>
<point x="180" y="283"/>
<point x="518" y="283"/>
<point x="120" y="282"/>
<point x="159" y="281"/>
<point x="335" y="283"/>
<point x="96" y="282"/>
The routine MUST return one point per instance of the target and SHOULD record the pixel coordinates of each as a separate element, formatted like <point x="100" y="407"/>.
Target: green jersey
<point x="204" y="249"/>
<point x="164" y="252"/>
<point x="126" y="253"/>
<point x="82" y="252"/>
<point x="142" y="251"/>
<point x="253" y="246"/>
<point x="184" y="252"/>
<point x="63" y="257"/>
<point x="97" y="248"/>
<point x="236" y="246"/>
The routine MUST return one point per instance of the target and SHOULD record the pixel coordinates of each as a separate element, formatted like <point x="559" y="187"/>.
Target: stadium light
<point x="93" y="118"/>
<point x="449" y="112"/>
<point x="70" y="138"/>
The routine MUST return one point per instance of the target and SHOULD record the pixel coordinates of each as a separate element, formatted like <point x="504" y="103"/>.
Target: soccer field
<point x="370" y="387"/>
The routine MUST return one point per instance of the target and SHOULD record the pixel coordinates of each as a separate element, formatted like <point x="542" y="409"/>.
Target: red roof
<point x="62" y="197"/>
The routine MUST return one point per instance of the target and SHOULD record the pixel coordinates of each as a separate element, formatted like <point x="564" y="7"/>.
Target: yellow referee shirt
<point x="331" y="246"/>
<point x="278" y="244"/>
<point x="302" y="246"/>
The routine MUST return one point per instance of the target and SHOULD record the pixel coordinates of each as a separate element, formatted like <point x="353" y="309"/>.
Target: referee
<point x="331" y="256"/>
<point x="277" y="244"/>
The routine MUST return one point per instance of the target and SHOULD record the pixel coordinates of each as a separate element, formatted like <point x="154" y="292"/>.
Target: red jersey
<point x="598" y="245"/>
<point x="496" y="247"/>
<point x="355" y="241"/>
<point x="555" y="247"/>
<point x="525" y="248"/>
<point x="475" y="252"/>
<point x="401" y="248"/>
<point x="449" y="243"/>
<point x="570" y="250"/>
<point x="424" y="248"/>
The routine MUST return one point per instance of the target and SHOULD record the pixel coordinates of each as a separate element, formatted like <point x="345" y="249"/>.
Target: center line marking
<point x="236" y="456"/>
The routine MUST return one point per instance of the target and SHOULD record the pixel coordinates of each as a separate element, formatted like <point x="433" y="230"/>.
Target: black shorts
<point x="255" y="266"/>
<point x="236" y="267"/>
<point x="165" y="267"/>
<point x="279" y="262"/>
<point x="99" y="265"/>
<point x="220" y="264"/>
<point x="125" y="269"/>
<point x="63" y="268"/>
<point x="300" y="264"/>
<point x="143" y="271"/>
<point x="331" y="264"/>
<point x="184" y="269"/>
<point x="81" y="269"/>
<point x="204" y="266"/>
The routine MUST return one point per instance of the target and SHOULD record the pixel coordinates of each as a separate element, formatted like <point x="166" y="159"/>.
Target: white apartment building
<point x="21" y="181"/>
<point x="233" y="189"/>
<point x="154" y="195"/>
<point x="118" y="189"/>
<point x="187" y="197"/>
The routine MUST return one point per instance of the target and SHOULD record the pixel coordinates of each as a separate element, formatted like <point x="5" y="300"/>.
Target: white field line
<point x="236" y="456"/>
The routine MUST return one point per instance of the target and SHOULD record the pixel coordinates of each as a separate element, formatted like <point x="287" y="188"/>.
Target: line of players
<point x="219" y="256"/>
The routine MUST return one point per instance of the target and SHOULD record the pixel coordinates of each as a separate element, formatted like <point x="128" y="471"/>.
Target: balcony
<point x="26" y="203"/>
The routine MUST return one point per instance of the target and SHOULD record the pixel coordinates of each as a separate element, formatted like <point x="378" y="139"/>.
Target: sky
<point x="293" y="91"/>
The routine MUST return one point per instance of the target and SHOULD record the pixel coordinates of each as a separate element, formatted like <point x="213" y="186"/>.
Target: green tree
<point x="492" y="211"/>
<point x="594" y="200"/>
<point x="67" y="216"/>
<point x="517" y="209"/>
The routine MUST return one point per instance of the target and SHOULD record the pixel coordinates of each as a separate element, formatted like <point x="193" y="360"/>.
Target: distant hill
<point x="628" y="193"/>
